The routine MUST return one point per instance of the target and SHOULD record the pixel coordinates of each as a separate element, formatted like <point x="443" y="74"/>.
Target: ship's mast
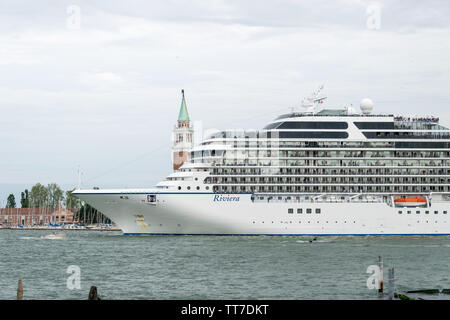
<point x="311" y="103"/>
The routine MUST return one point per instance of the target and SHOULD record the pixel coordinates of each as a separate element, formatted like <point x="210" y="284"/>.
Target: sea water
<point x="214" y="267"/>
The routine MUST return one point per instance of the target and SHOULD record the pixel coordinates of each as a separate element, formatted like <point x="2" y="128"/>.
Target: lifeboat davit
<point x="410" y="202"/>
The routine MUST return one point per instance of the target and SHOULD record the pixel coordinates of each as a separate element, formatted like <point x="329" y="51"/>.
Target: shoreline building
<point x="14" y="217"/>
<point x="183" y="137"/>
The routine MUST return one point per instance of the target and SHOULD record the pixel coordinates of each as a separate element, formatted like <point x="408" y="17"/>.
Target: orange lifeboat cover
<point x="416" y="199"/>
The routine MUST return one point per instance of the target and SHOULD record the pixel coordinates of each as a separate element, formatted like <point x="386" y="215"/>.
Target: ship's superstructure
<point x="327" y="172"/>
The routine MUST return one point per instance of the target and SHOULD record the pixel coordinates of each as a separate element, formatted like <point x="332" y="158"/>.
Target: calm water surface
<point x="207" y="267"/>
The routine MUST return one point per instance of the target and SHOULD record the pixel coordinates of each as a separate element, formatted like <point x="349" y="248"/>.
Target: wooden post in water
<point x="391" y="284"/>
<point x="380" y="264"/>
<point x="19" y="290"/>
<point x="93" y="294"/>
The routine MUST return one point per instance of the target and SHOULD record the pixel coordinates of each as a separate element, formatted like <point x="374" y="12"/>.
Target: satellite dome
<point x="366" y="106"/>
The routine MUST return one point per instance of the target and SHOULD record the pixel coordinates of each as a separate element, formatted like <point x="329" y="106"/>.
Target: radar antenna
<point x="311" y="103"/>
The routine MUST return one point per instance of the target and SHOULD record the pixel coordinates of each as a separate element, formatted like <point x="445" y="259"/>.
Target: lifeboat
<point x="410" y="202"/>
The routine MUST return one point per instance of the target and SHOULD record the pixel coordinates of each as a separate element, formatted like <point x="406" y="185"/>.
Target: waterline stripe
<point x="292" y="234"/>
<point x="99" y="193"/>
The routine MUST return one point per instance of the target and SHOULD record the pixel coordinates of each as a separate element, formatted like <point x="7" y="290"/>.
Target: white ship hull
<point x="237" y="214"/>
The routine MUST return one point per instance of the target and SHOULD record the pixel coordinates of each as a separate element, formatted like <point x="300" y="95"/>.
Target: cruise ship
<point x="310" y="173"/>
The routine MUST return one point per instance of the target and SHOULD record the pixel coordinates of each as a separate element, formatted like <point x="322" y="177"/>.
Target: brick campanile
<point x="183" y="136"/>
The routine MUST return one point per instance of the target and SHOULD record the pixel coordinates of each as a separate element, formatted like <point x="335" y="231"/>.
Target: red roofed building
<point x="13" y="217"/>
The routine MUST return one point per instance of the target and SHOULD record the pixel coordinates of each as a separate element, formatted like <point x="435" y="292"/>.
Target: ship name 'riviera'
<point x="316" y="172"/>
<point x="225" y="198"/>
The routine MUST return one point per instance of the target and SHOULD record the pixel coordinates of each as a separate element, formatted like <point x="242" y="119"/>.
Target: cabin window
<point x="436" y="212"/>
<point x="408" y="212"/>
<point x="290" y="210"/>
<point x="400" y="212"/>
<point x="317" y="210"/>
<point x="444" y="212"/>
<point x="151" y="198"/>
<point x="299" y="210"/>
<point x="418" y="212"/>
<point x="308" y="210"/>
<point x="427" y="212"/>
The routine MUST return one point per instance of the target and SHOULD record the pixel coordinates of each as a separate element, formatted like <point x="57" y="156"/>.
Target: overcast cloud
<point x="105" y="96"/>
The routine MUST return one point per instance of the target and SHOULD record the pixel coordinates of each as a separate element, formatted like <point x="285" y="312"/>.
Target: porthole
<point x="436" y="212"/>
<point x="300" y="211"/>
<point x="290" y="210"/>
<point x="207" y="187"/>
<point x="418" y="212"/>
<point x="444" y="212"/>
<point x="189" y="188"/>
<point x="198" y="188"/>
<point x="179" y="188"/>
<point x="400" y="212"/>
<point x="317" y="210"/>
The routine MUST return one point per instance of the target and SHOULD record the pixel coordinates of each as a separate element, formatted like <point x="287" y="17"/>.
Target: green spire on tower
<point x="183" y="115"/>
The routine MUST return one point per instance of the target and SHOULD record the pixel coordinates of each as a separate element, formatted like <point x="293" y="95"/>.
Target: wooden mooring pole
<point x="391" y="284"/>
<point x="380" y="284"/>
<point x="93" y="294"/>
<point x="20" y="290"/>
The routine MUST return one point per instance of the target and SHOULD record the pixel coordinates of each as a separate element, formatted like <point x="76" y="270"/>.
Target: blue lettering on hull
<point x="219" y="198"/>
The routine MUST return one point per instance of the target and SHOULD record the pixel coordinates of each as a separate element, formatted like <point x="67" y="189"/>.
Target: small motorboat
<point x="54" y="235"/>
<point x="410" y="202"/>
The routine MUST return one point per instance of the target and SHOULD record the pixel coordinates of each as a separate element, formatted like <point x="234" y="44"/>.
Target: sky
<point x="96" y="86"/>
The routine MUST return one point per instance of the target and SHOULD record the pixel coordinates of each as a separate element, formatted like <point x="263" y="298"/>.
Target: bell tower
<point x="183" y="136"/>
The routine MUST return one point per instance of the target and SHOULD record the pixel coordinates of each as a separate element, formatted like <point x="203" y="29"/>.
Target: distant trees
<point x="54" y="195"/>
<point x="11" y="201"/>
<point x="38" y="196"/>
<point x="49" y="196"/>
<point x="42" y="196"/>
<point x="25" y="199"/>
<point x="71" y="201"/>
